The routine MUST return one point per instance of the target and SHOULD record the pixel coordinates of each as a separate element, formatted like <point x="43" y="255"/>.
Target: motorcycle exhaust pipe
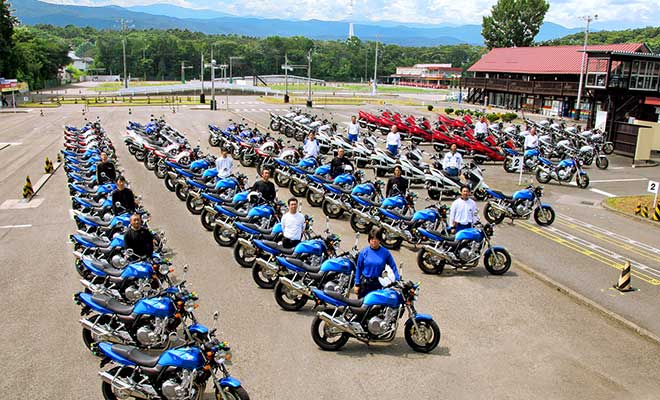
<point x="266" y="265"/>
<point x="245" y="243"/>
<point x="120" y="384"/>
<point x="172" y="175"/>
<point x="210" y="210"/>
<point x="436" y="252"/>
<point x="498" y="207"/>
<point x="392" y="229"/>
<point x="297" y="287"/>
<point x="226" y="225"/>
<point x="97" y="330"/>
<point x="342" y="326"/>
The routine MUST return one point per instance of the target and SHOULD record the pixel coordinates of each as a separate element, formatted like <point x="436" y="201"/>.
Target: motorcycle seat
<point x="106" y="267"/>
<point x="269" y="236"/>
<point x="298" y="263"/>
<point x="443" y="235"/>
<point x="263" y="231"/>
<point x="136" y="355"/>
<point x="454" y="178"/>
<point x="401" y="216"/>
<point x="357" y="303"/>
<point x="502" y="194"/>
<point x="340" y="188"/>
<point x="112" y="304"/>
<point x="236" y="211"/>
<point x="278" y="247"/>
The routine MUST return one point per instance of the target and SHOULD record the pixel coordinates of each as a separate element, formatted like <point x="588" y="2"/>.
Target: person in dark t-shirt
<point x="123" y="196"/>
<point x="265" y="186"/>
<point x="106" y="167"/>
<point x="138" y="238"/>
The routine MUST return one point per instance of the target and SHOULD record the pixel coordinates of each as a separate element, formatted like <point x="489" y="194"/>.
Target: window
<point x="644" y="75"/>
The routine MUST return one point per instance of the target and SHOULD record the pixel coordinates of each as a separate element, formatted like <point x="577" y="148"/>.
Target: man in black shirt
<point x="397" y="184"/>
<point x="337" y="163"/>
<point x="123" y="199"/>
<point x="106" y="167"/>
<point x="265" y="186"/>
<point x="138" y="238"/>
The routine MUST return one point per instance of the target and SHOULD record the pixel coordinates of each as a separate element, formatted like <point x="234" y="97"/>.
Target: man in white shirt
<point x="531" y="140"/>
<point x="224" y="164"/>
<point x="463" y="213"/>
<point x="453" y="161"/>
<point x="311" y="147"/>
<point x="481" y="128"/>
<point x="293" y="225"/>
<point x="353" y="130"/>
<point x="393" y="140"/>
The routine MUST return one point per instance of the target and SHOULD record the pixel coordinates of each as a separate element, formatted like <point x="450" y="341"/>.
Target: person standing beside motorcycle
<point x="265" y="186"/>
<point x="463" y="213"/>
<point x="311" y="147"/>
<point x="337" y="163"/>
<point x="353" y="130"/>
<point x="224" y="164"/>
<point x="123" y="199"/>
<point x="396" y="184"/>
<point x="293" y="225"/>
<point x="452" y="161"/>
<point x="371" y="263"/>
<point x="107" y="168"/>
<point x="393" y="140"/>
<point x="531" y="140"/>
<point x="138" y="238"/>
<point x="481" y="128"/>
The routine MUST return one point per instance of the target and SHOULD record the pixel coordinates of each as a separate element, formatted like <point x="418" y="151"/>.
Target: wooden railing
<point x="555" y="88"/>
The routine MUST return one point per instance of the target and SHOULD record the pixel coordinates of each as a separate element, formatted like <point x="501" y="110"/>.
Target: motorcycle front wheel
<point x="480" y="194"/>
<point x="542" y="176"/>
<point x="493" y="215"/>
<point x="602" y="162"/>
<point x="424" y="338"/>
<point x="582" y="181"/>
<point x="428" y="263"/>
<point x="288" y="299"/>
<point x="544" y="216"/>
<point x="327" y="337"/>
<point x="233" y="393"/>
<point x="497" y="262"/>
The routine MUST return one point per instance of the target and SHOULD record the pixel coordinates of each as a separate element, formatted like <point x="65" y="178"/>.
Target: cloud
<point x="628" y="13"/>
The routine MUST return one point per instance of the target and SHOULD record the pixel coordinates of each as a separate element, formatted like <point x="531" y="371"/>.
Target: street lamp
<point x="231" y="61"/>
<point x="183" y="71"/>
<point x="309" y="77"/>
<point x="286" y="67"/>
<point x="587" y="18"/>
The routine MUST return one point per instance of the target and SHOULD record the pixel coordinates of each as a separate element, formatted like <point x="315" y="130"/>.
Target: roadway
<point x="503" y="337"/>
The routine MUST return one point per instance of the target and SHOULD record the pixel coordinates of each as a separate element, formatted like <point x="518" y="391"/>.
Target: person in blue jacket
<point x="371" y="264"/>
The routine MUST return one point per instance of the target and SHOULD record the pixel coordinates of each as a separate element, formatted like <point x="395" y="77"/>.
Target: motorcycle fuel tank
<point x="186" y="358"/>
<point x="470" y="234"/>
<point x="157" y="306"/>
<point x="383" y="297"/>
<point x="316" y="247"/>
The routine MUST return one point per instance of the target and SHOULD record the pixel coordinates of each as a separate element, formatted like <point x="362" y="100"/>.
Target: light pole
<point x="183" y="71"/>
<point x="201" y="76"/>
<point x="123" y="46"/>
<point x="286" y="67"/>
<point x="231" y="62"/>
<point x="309" y="78"/>
<point x="373" y="88"/>
<point x="578" y="107"/>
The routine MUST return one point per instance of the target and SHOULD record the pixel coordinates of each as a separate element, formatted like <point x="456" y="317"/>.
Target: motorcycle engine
<point x="523" y="207"/>
<point x="151" y="335"/>
<point x="563" y="173"/>
<point x="469" y="251"/>
<point x="531" y="162"/>
<point x="338" y="285"/>
<point x="381" y="324"/>
<point x="314" y="260"/>
<point x="137" y="291"/>
<point x="173" y="390"/>
<point x="118" y="261"/>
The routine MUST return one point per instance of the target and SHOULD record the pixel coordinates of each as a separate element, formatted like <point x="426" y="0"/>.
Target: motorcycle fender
<point x="423" y="317"/>
<point x="487" y="252"/>
<point x="86" y="299"/>
<point x="229" y="382"/>
<point x="581" y="172"/>
<point x="546" y="205"/>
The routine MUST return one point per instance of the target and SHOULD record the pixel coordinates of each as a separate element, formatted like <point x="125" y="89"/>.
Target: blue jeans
<point x="352" y="138"/>
<point x="452" y="171"/>
<point x="393" y="148"/>
<point x="460" y="227"/>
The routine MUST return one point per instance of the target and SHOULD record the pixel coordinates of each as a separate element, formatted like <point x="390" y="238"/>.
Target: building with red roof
<point x="435" y="76"/>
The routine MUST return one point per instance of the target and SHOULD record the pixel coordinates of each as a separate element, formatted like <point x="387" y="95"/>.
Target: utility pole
<point x="213" y="107"/>
<point x="231" y="61"/>
<point x="309" y="78"/>
<point x="578" y="107"/>
<point x="123" y="45"/>
<point x="201" y="73"/>
<point x="373" y="89"/>
<point x="183" y="71"/>
<point x="286" y="67"/>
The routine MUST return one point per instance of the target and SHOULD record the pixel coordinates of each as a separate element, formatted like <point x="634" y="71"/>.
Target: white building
<point x="81" y="63"/>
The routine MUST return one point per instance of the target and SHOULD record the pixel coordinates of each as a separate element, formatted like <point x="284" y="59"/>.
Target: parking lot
<point x="511" y="336"/>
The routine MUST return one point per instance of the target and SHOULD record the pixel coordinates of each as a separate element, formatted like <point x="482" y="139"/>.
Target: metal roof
<point x="564" y="60"/>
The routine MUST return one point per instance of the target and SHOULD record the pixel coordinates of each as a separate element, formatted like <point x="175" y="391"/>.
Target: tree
<point x="514" y="23"/>
<point x="7" y="23"/>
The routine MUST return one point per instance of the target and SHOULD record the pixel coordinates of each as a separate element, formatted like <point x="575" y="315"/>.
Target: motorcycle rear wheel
<point x="314" y="199"/>
<point x="508" y="165"/>
<point x="194" y="205"/>
<point x="169" y="183"/>
<point x="139" y="155"/>
<point x="323" y="337"/>
<point x="299" y="135"/>
<point x="542" y="176"/>
<point x="88" y="336"/>
<point x="480" y="194"/>
<point x="222" y="238"/>
<point x="213" y="141"/>
<point x="150" y="162"/>
<point x="332" y="210"/>
<point x="244" y="257"/>
<point x="247" y="160"/>
<point x="181" y="192"/>
<point x="498" y="262"/>
<point x="160" y="172"/>
<point x="608" y="148"/>
<point x="602" y="162"/>
<point x="235" y="393"/>
<point x="275" y="126"/>
<point x="428" y="263"/>
<point x="106" y="388"/>
<point x="297" y="189"/>
<point x="359" y="225"/>
<point x="281" y="180"/>
<point x="544" y="216"/>
<point x="391" y="243"/>
<point x="285" y="300"/>
<point x="493" y="215"/>
<point x="207" y="220"/>
<point x="582" y="181"/>
<point x="263" y="280"/>
<point x="425" y="339"/>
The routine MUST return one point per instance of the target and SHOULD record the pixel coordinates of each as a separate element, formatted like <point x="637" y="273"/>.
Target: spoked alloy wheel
<point x="424" y="338"/>
<point x="244" y="255"/>
<point x="544" y="216"/>
<point x="359" y="225"/>
<point x="429" y="263"/>
<point x="232" y="393"/>
<point x="492" y="214"/>
<point x="263" y="278"/>
<point x="194" y="204"/>
<point x="288" y="299"/>
<point x="327" y="337"/>
<point x="497" y="262"/>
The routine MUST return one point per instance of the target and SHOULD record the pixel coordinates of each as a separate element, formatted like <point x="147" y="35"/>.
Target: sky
<point x="612" y="14"/>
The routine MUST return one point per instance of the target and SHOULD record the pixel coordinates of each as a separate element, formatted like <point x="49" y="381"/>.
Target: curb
<point x="645" y="333"/>
<point x="633" y="217"/>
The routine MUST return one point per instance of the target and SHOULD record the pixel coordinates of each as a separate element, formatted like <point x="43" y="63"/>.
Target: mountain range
<point x="165" y="16"/>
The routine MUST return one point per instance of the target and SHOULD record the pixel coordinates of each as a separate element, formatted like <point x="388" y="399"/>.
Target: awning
<point x="652" y="101"/>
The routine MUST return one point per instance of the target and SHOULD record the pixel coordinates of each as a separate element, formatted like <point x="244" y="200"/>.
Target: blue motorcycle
<point x="185" y="177"/>
<point x="530" y="159"/>
<point x="374" y="318"/>
<point x="564" y="171"/>
<point x="176" y="173"/>
<point x="244" y="251"/>
<point x="318" y="187"/>
<point x="521" y="205"/>
<point x="301" y="180"/>
<point x="364" y="213"/>
<point x="340" y="200"/>
<point x="213" y="203"/>
<point x="265" y="215"/>
<point x="178" y="373"/>
<point x="400" y="226"/>
<point x="223" y="189"/>
<point x="285" y="169"/>
<point x="462" y="250"/>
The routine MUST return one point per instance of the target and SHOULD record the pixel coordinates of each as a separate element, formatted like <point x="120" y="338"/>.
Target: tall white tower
<point x="351" y="33"/>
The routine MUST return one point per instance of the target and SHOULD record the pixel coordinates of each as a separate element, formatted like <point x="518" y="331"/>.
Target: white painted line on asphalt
<point x="613" y="235"/>
<point x="618" y="180"/>
<point x="10" y="143"/>
<point x="617" y="167"/>
<point x="19" y="204"/>
<point x="14" y="226"/>
<point x="606" y="194"/>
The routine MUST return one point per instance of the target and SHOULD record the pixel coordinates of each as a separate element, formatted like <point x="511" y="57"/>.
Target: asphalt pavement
<point x="510" y="336"/>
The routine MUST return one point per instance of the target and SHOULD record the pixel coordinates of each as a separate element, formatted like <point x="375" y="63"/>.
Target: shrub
<point x="429" y="107"/>
<point x="449" y="110"/>
<point x="510" y="116"/>
<point x="492" y="117"/>
<point x="458" y="112"/>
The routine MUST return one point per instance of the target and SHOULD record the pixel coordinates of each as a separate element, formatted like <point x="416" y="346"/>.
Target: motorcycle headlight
<point x="164" y="269"/>
<point x="223" y="357"/>
<point x="189" y="306"/>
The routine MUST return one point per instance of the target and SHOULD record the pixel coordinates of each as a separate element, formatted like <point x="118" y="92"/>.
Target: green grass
<point x="357" y="88"/>
<point x="627" y="204"/>
<point x="115" y="86"/>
